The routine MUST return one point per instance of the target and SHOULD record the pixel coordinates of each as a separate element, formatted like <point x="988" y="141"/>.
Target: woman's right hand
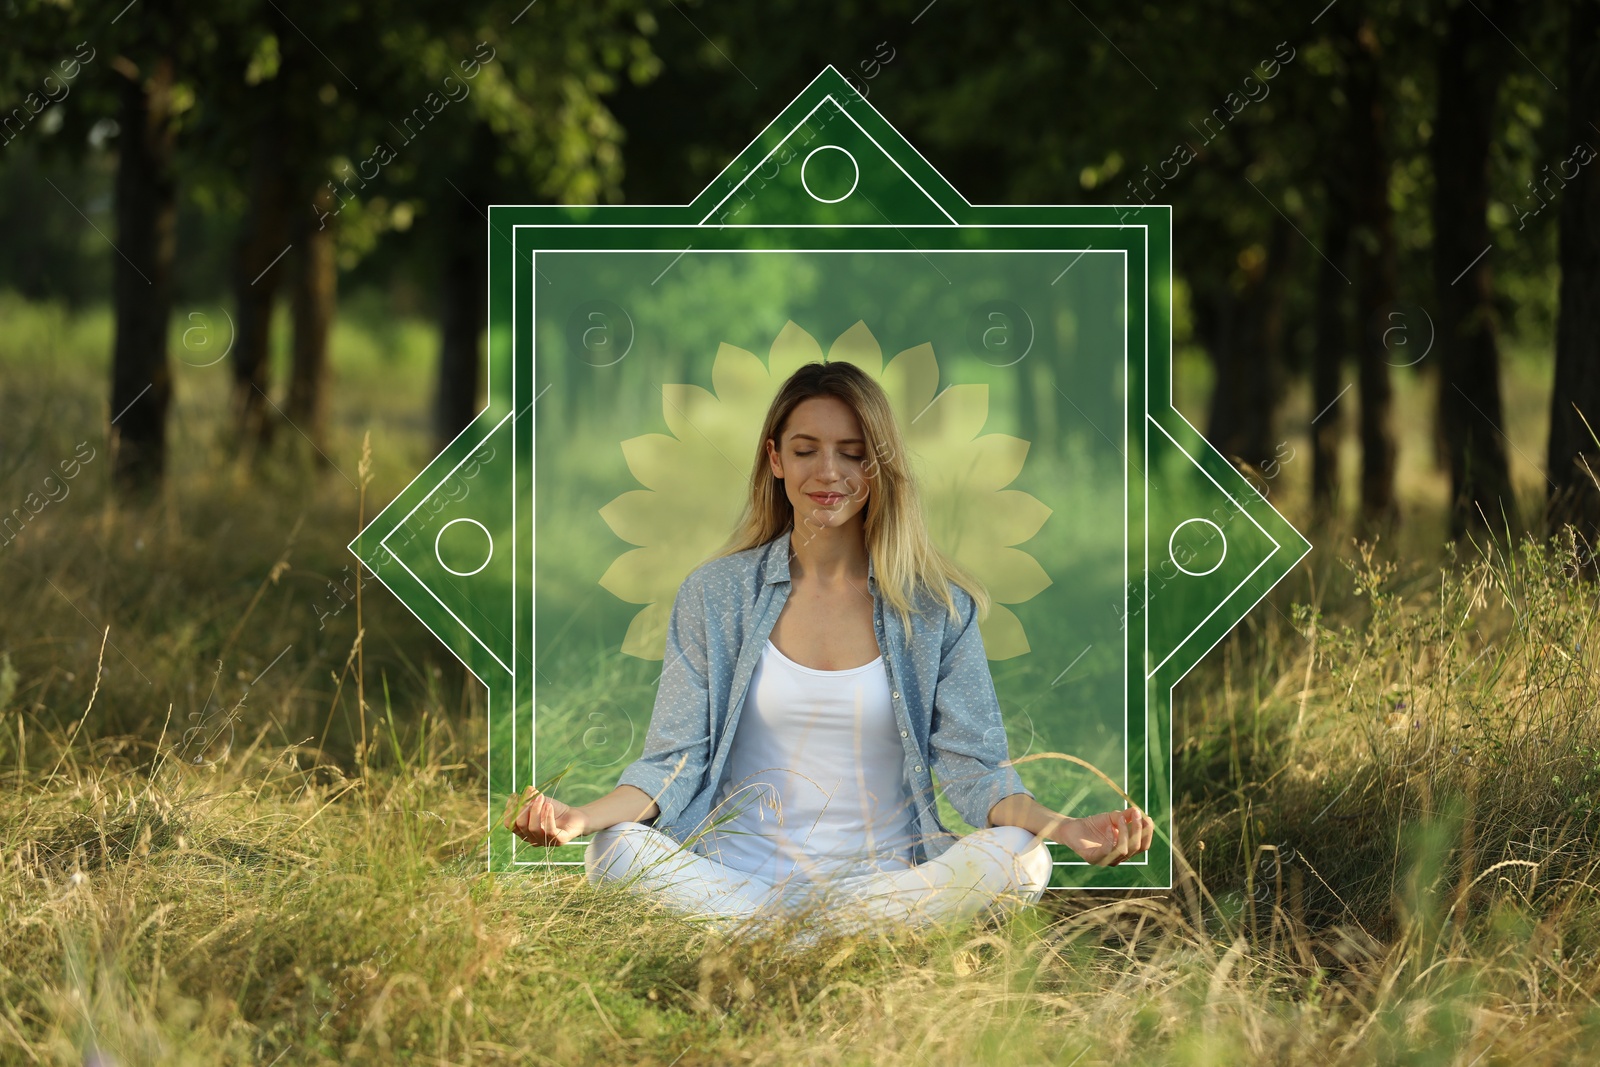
<point x="544" y="820"/>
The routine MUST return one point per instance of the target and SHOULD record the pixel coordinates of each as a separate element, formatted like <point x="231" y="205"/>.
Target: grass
<point x="1386" y="776"/>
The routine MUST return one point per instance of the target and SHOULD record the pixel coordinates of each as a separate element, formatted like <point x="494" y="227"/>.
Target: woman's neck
<point x="828" y="556"/>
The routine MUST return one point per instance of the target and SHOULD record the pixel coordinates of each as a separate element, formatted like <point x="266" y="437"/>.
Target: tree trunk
<point x="1246" y="344"/>
<point x="259" y="268"/>
<point x="146" y="210"/>
<point x="1375" y="278"/>
<point x="1469" y="357"/>
<point x="1327" y="357"/>
<point x="462" y="312"/>
<point x="1574" y="458"/>
<point x="315" y="293"/>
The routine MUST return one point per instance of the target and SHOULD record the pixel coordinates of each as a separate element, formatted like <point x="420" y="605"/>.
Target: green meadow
<point x="244" y="793"/>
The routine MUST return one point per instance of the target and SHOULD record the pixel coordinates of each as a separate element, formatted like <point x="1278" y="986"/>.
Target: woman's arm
<point x="677" y="747"/>
<point x="625" y="803"/>
<point x="967" y="737"/>
<point x="544" y="820"/>
<point x="1105" y="840"/>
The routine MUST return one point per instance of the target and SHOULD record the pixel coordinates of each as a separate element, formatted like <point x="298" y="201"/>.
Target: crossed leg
<point x="646" y="859"/>
<point x="989" y="870"/>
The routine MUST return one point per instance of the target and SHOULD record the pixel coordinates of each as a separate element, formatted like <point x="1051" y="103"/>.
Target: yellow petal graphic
<point x="793" y="349"/>
<point x="957" y="416"/>
<point x="1003" y="636"/>
<point x="1011" y="575"/>
<point x="638" y="577"/>
<point x="639" y="516"/>
<point x="739" y="376"/>
<point x="647" y="633"/>
<point x="857" y="345"/>
<point x="685" y="407"/>
<point x="997" y="461"/>
<point x="912" y="381"/>
<point x="1013" y="516"/>
<point x="696" y="479"/>
<point x="655" y="459"/>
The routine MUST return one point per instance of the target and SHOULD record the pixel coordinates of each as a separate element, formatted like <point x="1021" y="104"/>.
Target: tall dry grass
<point x="1385" y="825"/>
<point x="1386" y="783"/>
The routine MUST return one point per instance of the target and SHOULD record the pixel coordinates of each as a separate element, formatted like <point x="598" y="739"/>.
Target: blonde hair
<point x="903" y="556"/>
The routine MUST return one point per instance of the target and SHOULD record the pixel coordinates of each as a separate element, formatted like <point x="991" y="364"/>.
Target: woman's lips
<point x="827" y="499"/>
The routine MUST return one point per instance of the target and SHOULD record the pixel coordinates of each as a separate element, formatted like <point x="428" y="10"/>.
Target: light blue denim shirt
<point x="943" y="696"/>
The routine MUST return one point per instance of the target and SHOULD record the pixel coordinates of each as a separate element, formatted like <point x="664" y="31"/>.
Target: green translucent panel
<point x="1026" y="352"/>
<point x="827" y="169"/>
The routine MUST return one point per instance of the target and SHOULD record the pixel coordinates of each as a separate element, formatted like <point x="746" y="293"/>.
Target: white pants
<point x="987" y="871"/>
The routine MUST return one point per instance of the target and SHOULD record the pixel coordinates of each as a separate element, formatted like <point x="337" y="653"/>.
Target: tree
<point x="1470" y="68"/>
<point x="463" y="291"/>
<point x="1574" y="455"/>
<point x="1330" y="318"/>
<point x="315" y="286"/>
<point x="535" y="126"/>
<point x="261" y="243"/>
<point x="1243" y="328"/>
<point x="1376" y="284"/>
<point x="146" y="213"/>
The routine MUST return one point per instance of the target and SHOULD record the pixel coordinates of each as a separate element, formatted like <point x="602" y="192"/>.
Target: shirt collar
<point x="777" y="565"/>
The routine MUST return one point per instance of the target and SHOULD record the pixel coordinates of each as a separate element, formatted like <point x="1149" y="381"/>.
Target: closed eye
<point x="856" y="458"/>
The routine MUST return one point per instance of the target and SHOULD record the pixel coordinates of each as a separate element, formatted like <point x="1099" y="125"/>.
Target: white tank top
<point x="813" y="785"/>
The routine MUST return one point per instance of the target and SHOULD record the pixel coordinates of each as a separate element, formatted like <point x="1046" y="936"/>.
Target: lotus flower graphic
<point x="696" y="480"/>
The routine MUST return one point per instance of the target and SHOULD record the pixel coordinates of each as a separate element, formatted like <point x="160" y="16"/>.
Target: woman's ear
<point x="773" y="461"/>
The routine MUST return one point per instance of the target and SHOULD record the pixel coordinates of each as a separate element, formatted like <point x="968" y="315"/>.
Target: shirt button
<point x="896" y="693"/>
<point x="902" y="733"/>
<point x="919" y="767"/>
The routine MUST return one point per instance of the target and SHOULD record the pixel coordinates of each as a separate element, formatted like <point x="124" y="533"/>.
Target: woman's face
<point x="823" y="463"/>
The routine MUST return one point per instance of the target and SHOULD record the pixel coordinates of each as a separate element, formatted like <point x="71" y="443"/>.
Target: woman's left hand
<point x="1107" y="839"/>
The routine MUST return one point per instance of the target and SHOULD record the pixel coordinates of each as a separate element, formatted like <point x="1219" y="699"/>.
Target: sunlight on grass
<point x="1386" y="782"/>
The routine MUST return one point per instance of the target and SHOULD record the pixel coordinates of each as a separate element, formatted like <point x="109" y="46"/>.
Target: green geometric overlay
<point x="633" y="351"/>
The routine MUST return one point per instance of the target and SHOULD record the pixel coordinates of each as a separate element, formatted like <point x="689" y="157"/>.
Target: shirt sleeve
<point x="677" y="746"/>
<point x="967" y="737"/>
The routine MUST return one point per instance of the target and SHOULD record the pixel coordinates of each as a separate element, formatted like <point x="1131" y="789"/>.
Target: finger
<point x="520" y="827"/>
<point x="508" y="817"/>
<point x="535" y="821"/>
<point x="1109" y="857"/>
<point x="530" y="814"/>
<point x="536" y="800"/>
<point x="522" y="802"/>
<point x="1149" y="835"/>
<point x="534" y="807"/>
<point x="547" y="819"/>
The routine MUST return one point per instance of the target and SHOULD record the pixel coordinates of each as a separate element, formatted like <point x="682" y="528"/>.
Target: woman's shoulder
<point x="728" y="575"/>
<point x="964" y="600"/>
<point x="930" y="601"/>
<point x="934" y="612"/>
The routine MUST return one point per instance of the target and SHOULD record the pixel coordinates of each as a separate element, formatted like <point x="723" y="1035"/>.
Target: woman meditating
<point x="819" y="670"/>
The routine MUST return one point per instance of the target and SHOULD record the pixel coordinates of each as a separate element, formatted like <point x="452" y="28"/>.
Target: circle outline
<point x="1033" y="335"/>
<point x="806" y="185"/>
<point x="452" y="570"/>
<point x="1174" y="558"/>
<point x="1433" y="335"/>
<point x="233" y="335"/>
<point x="632" y="335"/>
